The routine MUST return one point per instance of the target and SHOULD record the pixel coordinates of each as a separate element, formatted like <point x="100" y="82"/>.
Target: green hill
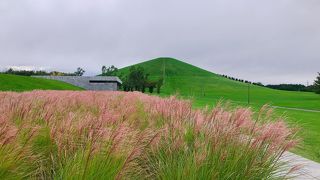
<point x="188" y="80"/>
<point x="170" y="67"/>
<point x="207" y="88"/>
<point x="26" y="83"/>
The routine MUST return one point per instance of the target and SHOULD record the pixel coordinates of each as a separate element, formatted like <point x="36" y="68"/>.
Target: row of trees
<point x="78" y="72"/>
<point x="289" y="87"/>
<point x="241" y="80"/>
<point x="135" y="80"/>
<point x="138" y="80"/>
<point x="292" y="87"/>
<point x="299" y="87"/>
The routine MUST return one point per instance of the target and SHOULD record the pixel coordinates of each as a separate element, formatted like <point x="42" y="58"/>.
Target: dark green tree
<point x="136" y="78"/>
<point x="79" y="72"/>
<point x="317" y="84"/>
<point x="151" y="89"/>
<point x="9" y="71"/>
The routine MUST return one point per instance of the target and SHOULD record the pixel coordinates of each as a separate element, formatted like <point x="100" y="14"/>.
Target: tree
<point x="151" y="89"/>
<point x="79" y="72"/>
<point x="159" y="85"/>
<point x="317" y="84"/>
<point x="103" y="69"/>
<point x="150" y="85"/>
<point x="10" y="71"/>
<point x="110" y="71"/>
<point x="137" y="78"/>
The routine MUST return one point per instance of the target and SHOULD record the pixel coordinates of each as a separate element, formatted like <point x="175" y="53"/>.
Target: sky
<point x="268" y="41"/>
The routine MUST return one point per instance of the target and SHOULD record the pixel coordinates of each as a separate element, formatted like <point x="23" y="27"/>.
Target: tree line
<point x="79" y="72"/>
<point x="292" y="87"/>
<point x="315" y="87"/>
<point x="241" y="80"/>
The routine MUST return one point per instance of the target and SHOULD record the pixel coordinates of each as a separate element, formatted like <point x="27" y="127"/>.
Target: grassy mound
<point x="118" y="135"/>
<point x="26" y="83"/>
<point x="207" y="87"/>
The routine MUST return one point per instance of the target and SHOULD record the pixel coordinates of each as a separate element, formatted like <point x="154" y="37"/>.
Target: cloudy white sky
<point x="270" y="41"/>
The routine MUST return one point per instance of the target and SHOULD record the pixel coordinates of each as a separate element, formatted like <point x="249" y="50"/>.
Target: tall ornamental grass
<point x="118" y="135"/>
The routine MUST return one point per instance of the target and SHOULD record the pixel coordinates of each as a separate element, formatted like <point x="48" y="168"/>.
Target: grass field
<point x="207" y="88"/>
<point x="25" y="83"/>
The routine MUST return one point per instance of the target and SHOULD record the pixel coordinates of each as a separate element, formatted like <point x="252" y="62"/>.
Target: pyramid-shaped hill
<point x="208" y="88"/>
<point x="170" y="67"/>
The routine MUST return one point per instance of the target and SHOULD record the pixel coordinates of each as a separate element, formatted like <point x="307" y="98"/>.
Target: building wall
<point x="84" y="82"/>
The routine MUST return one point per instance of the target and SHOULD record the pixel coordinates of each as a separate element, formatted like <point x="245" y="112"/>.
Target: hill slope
<point x="26" y="83"/>
<point x="207" y="88"/>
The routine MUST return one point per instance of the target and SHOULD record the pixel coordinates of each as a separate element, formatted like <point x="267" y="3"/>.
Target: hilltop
<point x="170" y="67"/>
<point x="27" y="83"/>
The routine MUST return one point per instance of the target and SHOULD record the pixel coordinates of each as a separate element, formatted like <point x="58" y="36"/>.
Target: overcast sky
<point x="271" y="41"/>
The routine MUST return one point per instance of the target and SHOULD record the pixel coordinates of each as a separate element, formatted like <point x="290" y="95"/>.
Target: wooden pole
<point x="164" y="70"/>
<point x="249" y="93"/>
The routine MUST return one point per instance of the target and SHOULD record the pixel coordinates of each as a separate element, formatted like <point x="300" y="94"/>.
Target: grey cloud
<point x="271" y="41"/>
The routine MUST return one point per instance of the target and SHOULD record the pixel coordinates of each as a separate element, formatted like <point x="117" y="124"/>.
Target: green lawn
<point x="207" y="88"/>
<point x="26" y="83"/>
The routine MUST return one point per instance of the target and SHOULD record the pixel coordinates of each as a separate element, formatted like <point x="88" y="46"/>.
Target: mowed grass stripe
<point x="26" y="83"/>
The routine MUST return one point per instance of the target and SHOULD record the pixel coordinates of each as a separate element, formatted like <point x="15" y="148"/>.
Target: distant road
<point x="297" y="109"/>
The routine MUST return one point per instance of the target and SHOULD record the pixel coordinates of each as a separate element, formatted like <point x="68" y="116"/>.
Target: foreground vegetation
<point x="118" y="135"/>
<point x="25" y="83"/>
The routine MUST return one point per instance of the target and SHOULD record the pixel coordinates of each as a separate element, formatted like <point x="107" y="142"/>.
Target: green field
<point x="26" y="83"/>
<point x="207" y="88"/>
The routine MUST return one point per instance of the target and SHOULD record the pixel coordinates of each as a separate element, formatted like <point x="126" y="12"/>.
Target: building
<point x="96" y="83"/>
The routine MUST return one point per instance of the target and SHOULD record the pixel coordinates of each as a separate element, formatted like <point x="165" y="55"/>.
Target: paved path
<point x="309" y="169"/>
<point x="297" y="109"/>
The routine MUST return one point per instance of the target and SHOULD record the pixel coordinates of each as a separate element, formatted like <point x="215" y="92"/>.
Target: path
<point x="297" y="109"/>
<point x="309" y="170"/>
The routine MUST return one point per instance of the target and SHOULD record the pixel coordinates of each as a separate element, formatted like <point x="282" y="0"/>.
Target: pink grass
<point x="76" y="119"/>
